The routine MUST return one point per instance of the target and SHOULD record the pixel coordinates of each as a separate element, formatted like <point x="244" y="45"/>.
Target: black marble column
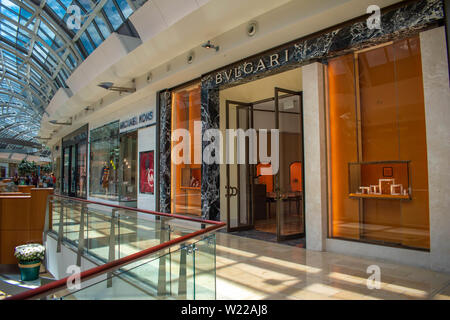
<point x="210" y="172"/>
<point x="165" y="123"/>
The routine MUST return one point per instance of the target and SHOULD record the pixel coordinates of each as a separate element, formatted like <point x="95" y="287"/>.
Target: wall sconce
<point x="61" y="123"/>
<point x="110" y="86"/>
<point x="209" y="45"/>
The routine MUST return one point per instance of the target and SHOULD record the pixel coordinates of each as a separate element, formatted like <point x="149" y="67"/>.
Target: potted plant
<point x="30" y="257"/>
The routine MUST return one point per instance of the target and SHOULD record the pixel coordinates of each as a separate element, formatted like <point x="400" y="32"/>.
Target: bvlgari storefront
<point x="350" y="108"/>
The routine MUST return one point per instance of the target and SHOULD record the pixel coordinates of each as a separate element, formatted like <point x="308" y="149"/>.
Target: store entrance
<point x="262" y="196"/>
<point x="74" y="164"/>
<point x="74" y="170"/>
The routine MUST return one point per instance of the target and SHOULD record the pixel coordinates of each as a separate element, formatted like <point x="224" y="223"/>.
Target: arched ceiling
<point x="41" y="44"/>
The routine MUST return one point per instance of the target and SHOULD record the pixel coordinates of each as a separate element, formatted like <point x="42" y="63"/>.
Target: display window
<point x="128" y="169"/>
<point x="186" y="177"/>
<point x="104" y="162"/>
<point x="74" y="155"/>
<point x="377" y="150"/>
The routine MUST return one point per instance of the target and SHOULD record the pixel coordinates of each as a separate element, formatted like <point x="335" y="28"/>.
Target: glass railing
<point x="132" y="253"/>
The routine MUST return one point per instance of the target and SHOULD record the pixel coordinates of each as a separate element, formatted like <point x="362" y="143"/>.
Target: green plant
<point x="26" y="167"/>
<point x="46" y="168"/>
<point x="29" y="252"/>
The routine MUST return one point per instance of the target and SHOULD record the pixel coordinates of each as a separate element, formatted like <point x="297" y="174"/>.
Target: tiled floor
<point x="254" y="269"/>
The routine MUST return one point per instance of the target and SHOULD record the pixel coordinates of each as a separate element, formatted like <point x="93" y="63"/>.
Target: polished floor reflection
<point x="255" y="269"/>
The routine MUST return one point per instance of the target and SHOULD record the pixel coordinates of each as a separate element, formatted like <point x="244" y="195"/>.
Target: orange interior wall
<point x="392" y="128"/>
<point x="185" y="111"/>
<point x="343" y="149"/>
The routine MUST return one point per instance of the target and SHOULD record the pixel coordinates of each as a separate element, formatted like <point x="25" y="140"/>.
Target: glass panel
<point x="112" y="13"/>
<point x="239" y="169"/>
<point x="205" y="268"/>
<point x="290" y="201"/>
<point x="184" y="272"/>
<point x="145" y="279"/>
<point x="186" y="176"/>
<point x="128" y="169"/>
<point x="81" y="170"/>
<point x="66" y="170"/>
<point x="380" y="139"/>
<point x="104" y="160"/>
<point x="73" y="171"/>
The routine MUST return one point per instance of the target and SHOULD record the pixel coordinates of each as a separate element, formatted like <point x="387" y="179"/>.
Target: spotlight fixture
<point x="110" y="86"/>
<point x="209" y="45"/>
<point x="252" y="28"/>
<point x="61" y="123"/>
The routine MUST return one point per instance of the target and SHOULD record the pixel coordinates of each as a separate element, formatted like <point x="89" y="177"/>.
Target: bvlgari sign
<point x="394" y="24"/>
<point x="139" y="121"/>
<point x="252" y="67"/>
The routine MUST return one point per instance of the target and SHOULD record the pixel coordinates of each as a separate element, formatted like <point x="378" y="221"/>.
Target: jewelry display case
<point x="379" y="180"/>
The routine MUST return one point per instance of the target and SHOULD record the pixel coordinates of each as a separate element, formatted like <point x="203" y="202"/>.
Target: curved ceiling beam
<point x="28" y="87"/>
<point x="31" y="61"/>
<point x="33" y="35"/>
<point x="55" y="24"/>
<point x="21" y="98"/>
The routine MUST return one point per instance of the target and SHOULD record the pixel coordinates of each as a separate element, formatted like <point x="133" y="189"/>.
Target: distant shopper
<point x="35" y="180"/>
<point x="49" y="180"/>
<point x="16" y="179"/>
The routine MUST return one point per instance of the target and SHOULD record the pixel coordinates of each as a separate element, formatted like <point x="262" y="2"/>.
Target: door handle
<point x="233" y="191"/>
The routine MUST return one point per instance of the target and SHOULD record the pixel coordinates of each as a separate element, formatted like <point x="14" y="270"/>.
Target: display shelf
<point x="379" y="196"/>
<point x="190" y="188"/>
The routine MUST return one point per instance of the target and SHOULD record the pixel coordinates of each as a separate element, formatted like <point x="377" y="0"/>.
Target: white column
<point x="437" y="114"/>
<point x="315" y="156"/>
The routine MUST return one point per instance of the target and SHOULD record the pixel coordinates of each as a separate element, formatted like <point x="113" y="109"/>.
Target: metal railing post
<point x="162" y="279"/>
<point x="182" y="279"/>
<point x="112" y="245"/>
<point x="81" y="235"/>
<point x="61" y="226"/>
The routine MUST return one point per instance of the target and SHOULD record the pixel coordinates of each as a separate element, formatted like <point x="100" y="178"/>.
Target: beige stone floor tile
<point x="275" y="271"/>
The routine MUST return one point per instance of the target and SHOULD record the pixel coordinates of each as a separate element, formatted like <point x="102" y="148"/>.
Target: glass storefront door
<point x="270" y="203"/>
<point x="240" y="173"/>
<point x="74" y="164"/>
<point x="66" y="170"/>
<point x="289" y="181"/>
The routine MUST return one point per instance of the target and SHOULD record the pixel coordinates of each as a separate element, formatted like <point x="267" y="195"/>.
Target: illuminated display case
<point x="191" y="178"/>
<point x="379" y="180"/>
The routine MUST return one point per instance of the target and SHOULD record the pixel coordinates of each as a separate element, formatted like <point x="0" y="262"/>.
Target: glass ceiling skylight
<point x="40" y="47"/>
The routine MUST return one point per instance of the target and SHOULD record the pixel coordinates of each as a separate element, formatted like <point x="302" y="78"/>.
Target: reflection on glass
<point x="81" y="170"/>
<point x="66" y="170"/>
<point x="377" y="149"/>
<point x="128" y="168"/>
<point x="104" y="162"/>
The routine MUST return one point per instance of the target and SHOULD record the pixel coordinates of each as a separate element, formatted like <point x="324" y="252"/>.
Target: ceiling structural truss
<point x="40" y="47"/>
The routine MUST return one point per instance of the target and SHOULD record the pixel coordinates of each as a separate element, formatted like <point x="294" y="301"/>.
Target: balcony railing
<point x="125" y="253"/>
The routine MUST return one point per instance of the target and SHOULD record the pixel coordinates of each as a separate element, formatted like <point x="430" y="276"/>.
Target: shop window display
<point x="377" y="151"/>
<point x="186" y="177"/>
<point x="104" y="162"/>
<point x="128" y="168"/>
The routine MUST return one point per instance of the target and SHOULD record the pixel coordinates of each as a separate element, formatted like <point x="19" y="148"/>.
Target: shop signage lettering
<point x="139" y="121"/>
<point x="252" y="67"/>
